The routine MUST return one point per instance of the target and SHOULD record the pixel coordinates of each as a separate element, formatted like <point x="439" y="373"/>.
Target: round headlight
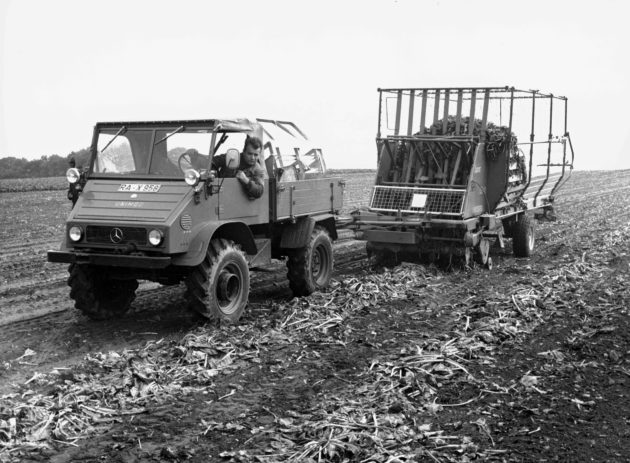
<point x="75" y="233"/>
<point x="155" y="237"/>
<point x="73" y="175"/>
<point x="192" y="177"/>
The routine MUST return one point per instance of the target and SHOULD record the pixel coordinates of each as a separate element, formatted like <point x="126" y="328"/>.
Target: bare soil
<point x="527" y="362"/>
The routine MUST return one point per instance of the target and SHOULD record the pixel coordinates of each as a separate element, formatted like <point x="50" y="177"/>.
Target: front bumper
<point x="111" y="260"/>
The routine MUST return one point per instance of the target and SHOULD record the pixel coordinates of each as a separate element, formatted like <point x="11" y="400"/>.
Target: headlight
<point x="155" y="237"/>
<point x="75" y="233"/>
<point x="73" y="175"/>
<point x="192" y="177"/>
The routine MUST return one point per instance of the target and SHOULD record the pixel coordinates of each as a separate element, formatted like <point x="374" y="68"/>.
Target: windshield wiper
<point x="221" y="141"/>
<point x="177" y="130"/>
<point x="122" y="130"/>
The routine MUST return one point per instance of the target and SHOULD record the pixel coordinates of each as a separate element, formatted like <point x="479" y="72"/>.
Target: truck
<point x="459" y="168"/>
<point x="148" y="205"/>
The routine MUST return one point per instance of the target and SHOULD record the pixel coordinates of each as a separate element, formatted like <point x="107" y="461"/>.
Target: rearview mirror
<point x="232" y="158"/>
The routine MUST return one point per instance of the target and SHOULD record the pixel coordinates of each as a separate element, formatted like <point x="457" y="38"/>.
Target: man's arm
<point x="253" y="182"/>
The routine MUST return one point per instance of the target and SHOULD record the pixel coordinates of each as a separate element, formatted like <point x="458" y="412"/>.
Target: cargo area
<point x="462" y="152"/>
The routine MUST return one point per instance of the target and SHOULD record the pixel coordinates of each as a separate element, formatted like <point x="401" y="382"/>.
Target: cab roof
<point x="230" y="125"/>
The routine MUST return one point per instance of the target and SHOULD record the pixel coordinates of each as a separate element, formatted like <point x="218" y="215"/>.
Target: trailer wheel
<point x="97" y="295"/>
<point x="482" y="252"/>
<point x="219" y="286"/>
<point x="310" y="268"/>
<point x="523" y="235"/>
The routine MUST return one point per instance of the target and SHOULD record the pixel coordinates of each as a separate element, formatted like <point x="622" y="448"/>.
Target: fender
<point x="234" y="231"/>
<point x="298" y="234"/>
<point x="328" y="222"/>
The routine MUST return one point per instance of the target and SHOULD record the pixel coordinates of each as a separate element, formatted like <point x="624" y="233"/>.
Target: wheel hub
<point x="316" y="263"/>
<point x="228" y="286"/>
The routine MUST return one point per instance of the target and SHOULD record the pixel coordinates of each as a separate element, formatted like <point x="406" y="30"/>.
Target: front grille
<point x="417" y="200"/>
<point x="100" y="234"/>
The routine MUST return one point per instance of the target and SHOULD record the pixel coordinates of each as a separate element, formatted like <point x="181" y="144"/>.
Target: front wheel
<point x="97" y="295"/>
<point x="219" y="286"/>
<point x="523" y="236"/>
<point x="310" y="268"/>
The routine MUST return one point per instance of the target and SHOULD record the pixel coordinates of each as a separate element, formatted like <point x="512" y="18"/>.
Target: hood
<point x="125" y="200"/>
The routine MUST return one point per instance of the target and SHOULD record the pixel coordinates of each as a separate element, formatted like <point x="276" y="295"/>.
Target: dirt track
<point x="544" y="379"/>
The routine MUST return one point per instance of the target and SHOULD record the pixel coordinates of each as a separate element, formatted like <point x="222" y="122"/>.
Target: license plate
<point x="140" y="187"/>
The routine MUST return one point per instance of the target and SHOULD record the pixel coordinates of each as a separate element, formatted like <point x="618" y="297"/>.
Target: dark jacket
<point x="255" y="174"/>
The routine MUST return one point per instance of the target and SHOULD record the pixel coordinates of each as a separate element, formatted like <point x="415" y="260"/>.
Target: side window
<point x="114" y="155"/>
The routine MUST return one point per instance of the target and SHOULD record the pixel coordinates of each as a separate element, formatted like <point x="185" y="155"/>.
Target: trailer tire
<point x="98" y="296"/>
<point x="523" y="235"/>
<point x="219" y="286"/>
<point x="310" y="268"/>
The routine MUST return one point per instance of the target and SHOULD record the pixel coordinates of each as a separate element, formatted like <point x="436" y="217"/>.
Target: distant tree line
<point x="56" y="166"/>
<point x="46" y="166"/>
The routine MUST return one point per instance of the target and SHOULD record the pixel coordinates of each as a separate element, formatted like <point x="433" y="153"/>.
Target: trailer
<point x="460" y="168"/>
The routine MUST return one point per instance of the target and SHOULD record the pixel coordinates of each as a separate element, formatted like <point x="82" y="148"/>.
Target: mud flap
<point x="297" y="235"/>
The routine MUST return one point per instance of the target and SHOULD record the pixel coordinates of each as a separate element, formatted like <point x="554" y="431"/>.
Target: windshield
<point x="161" y="152"/>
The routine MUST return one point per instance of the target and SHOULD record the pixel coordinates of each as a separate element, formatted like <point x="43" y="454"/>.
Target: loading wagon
<point x="459" y="168"/>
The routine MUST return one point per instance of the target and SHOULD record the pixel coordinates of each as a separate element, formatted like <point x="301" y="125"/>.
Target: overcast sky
<point x="67" y="64"/>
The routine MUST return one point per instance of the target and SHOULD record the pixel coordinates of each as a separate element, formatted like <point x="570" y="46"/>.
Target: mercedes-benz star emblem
<point x="116" y="235"/>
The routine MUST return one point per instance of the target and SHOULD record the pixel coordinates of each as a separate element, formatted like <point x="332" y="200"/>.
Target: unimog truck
<point x="461" y="168"/>
<point x="149" y="206"/>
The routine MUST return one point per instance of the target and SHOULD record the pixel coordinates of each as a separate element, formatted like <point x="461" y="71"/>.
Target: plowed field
<point x="527" y="362"/>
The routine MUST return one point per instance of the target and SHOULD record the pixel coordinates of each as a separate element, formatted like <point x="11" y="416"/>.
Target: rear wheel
<point x="97" y="295"/>
<point x="310" y="268"/>
<point x="523" y="234"/>
<point x="219" y="286"/>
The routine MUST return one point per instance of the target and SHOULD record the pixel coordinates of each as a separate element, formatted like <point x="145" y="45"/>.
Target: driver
<point x="249" y="172"/>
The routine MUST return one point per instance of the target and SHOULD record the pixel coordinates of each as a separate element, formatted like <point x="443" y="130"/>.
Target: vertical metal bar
<point x="484" y="117"/>
<point x="531" y="146"/>
<point x="436" y="111"/>
<point x="509" y="144"/>
<point x="410" y="161"/>
<point x="423" y="111"/>
<point x="456" y="166"/>
<point x="398" y="107"/>
<point x="447" y="94"/>
<point x="380" y="108"/>
<point x="332" y="198"/>
<point x="423" y="117"/>
<point x="549" y="138"/>
<point x="566" y="128"/>
<point x="471" y="119"/>
<point x="447" y="97"/>
<point x="564" y="151"/>
<point x="458" y="116"/>
<point x="412" y="98"/>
